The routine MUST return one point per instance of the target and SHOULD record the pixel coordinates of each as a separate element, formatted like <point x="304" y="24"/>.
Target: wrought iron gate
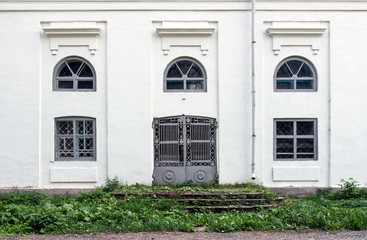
<point x="184" y="149"/>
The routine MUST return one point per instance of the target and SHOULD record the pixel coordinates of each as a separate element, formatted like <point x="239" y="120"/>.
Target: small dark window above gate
<point x="185" y="75"/>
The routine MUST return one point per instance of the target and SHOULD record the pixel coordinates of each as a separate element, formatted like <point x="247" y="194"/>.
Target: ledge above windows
<point x="185" y="34"/>
<point x="72" y="34"/>
<point x="296" y="34"/>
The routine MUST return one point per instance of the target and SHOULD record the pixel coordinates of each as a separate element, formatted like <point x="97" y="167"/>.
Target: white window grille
<point x="75" y="139"/>
<point x="295" y="74"/>
<point x="295" y="139"/>
<point x="185" y="75"/>
<point x="74" y="74"/>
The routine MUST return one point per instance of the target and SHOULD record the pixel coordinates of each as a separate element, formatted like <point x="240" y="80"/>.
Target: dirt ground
<point x="346" y="235"/>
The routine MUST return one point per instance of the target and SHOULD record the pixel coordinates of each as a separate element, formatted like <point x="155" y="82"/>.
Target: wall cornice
<point x="185" y="5"/>
<point x="167" y="1"/>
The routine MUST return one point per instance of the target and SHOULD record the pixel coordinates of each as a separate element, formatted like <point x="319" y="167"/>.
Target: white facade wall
<point x="130" y="63"/>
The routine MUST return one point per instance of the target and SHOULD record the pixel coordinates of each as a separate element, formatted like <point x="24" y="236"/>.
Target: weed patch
<point x="99" y="211"/>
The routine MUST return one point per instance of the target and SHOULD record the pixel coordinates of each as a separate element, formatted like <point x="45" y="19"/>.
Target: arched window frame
<point x="295" y="78"/>
<point x="185" y="79"/>
<point x="75" y="78"/>
<point x="68" y="133"/>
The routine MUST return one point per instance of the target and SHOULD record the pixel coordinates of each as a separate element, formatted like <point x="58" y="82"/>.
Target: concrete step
<point x="191" y="195"/>
<point x="227" y="208"/>
<point x="203" y="201"/>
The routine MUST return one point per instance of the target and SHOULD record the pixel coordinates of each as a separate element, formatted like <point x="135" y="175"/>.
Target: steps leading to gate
<point x="212" y="201"/>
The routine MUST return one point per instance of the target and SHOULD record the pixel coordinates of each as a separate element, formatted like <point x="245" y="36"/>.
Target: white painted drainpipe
<point x="253" y="42"/>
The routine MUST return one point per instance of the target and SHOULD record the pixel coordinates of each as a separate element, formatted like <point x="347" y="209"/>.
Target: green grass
<point x="98" y="211"/>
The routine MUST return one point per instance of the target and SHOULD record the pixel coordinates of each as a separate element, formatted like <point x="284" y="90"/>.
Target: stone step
<point x="201" y="195"/>
<point x="227" y="207"/>
<point x="203" y="201"/>
<point x="211" y="201"/>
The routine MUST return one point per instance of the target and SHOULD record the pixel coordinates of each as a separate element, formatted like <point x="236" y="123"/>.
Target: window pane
<point x="284" y="128"/>
<point x="284" y="145"/>
<point x="306" y="156"/>
<point x="86" y="72"/>
<point x="195" y="72"/>
<point x="80" y="127"/>
<point x="88" y="127"/>
<point x="305" y="128"/>
<point x="65" y="72"/>
<point x="175" y="84"/>
<point x="294" y="65"/>
<point x="65" y="84"/>
<point x="66" y="155"/>
<point x="89" y="143"/>
<point x="304" y="84"/>
<point x="195" y="84"/>
<point x="65" y="144"/>
<point x="81" y="143"/>
<point x="305" y="145"/>
<point x="74" y="65"/>
<point x="305" y="71"/>
<point x="85" y="84"/>
<point x="64" y="127"/>
<point x="285" y="84"/>
<point x="174" y="72"/>
<point x="184" y="65"/>
<point x="86" y="154"/>
<point x="284" y="72"/>
<point x="284" y="156"/>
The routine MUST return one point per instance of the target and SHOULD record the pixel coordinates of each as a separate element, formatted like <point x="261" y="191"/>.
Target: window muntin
<point x="295" y="74"/>
<point x="75" y="139"/>
<point x="295" y="139"/>
<point x="185" y="75"/>
<point x="74" y="74"/>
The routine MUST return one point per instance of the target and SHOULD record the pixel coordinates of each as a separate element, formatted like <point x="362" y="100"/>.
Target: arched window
<point x="74" y="74"/>
<point x="185" y="75"/>
<point x="295" y="74"/>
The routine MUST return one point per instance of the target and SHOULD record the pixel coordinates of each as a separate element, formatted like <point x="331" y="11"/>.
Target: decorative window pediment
<point x="296" y="34"/>
<point x="185" y="34"/>
<point x="72" y="34"/>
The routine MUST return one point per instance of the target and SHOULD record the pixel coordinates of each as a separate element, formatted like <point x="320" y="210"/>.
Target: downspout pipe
<point x="253" y="92"/>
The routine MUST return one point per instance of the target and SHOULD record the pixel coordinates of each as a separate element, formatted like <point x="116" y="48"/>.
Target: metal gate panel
<point x="184" y="149"/>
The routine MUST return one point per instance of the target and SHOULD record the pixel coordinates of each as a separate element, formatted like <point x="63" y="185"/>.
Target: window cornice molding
<point x="182" y="31"/>
<point x="72" y="34"/>
<point x="296" y="34"/>
<point x="297" y="31"/>
<point x="65" y="31"/>
<point x="185" y="34"/>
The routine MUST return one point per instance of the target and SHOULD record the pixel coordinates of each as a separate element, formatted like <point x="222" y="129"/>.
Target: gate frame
<point x="193" y="174"/>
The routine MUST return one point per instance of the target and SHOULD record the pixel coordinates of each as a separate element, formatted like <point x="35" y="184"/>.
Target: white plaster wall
<point x="129" y="97"/>
<point x="130" y="64"/>
<point x="19" y="77"/>
<point x="349" y="100"/>
<point x="234" y="73"/>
